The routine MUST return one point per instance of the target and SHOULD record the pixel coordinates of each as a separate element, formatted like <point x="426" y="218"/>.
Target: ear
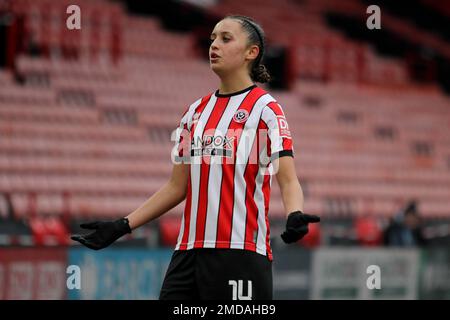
<point x="252" y="52"/>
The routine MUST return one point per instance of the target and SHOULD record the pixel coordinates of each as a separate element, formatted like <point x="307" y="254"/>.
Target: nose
<point x="213" y="45"/>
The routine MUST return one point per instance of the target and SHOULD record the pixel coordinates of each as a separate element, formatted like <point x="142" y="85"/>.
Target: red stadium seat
<point x="48" y="231"/>
<point x="368" y="231"/>
<point x="313" y="237"/>
<point x="169" y="228"/>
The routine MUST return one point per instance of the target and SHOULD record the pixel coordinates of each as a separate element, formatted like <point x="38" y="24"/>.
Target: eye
<point x="226" y="39"/>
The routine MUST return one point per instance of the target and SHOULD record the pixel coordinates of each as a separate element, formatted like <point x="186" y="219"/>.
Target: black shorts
<point x="217" y="274"/>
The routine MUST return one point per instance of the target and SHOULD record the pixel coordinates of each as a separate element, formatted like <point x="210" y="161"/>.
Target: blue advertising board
<point x="119" y="274"/>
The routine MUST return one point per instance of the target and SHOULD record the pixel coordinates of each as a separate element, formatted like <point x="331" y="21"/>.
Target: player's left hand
<point x="297" y="226"/>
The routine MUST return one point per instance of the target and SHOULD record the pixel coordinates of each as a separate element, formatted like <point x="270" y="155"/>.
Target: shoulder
<point x="272" y="107"/>
<point x="200" y="101"/>
<point x="267" y="100"/>
<point x="190" y="111"/>
<point x="262" y="100"/>
<point x="194" y="105"/>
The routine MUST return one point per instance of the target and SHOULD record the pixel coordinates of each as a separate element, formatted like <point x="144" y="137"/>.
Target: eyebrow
<point x="223" y="32"/>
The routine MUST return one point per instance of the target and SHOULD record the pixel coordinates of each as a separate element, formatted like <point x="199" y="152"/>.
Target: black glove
<point x="105" y="233"/>
<point x="297" y="226"/>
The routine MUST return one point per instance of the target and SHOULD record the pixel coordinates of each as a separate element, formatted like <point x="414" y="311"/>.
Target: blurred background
<point x="86" y="117"/>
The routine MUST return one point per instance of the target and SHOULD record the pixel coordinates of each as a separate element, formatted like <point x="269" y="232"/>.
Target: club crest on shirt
<point x="240" y="116"/>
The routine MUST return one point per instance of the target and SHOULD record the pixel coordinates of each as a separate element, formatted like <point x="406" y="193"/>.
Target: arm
<point x="292" y="195"/>
<point x="284" y="168"/>
<point x="291" y="190"/>
<point x="169" y="196"/>
<point x="106" y="232"/>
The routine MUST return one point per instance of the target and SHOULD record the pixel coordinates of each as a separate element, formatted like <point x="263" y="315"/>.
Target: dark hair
<point x="258" y="71"/>
<point x="411" y="208"/>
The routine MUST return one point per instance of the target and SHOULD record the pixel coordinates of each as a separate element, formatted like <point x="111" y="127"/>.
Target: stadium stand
<point x="86" y="118"/>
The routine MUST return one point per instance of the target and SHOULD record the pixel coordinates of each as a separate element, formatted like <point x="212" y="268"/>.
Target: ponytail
<point x="259" y="73"/>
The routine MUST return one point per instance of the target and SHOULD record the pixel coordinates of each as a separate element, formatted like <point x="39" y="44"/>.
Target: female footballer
<point x="228" y="146"/>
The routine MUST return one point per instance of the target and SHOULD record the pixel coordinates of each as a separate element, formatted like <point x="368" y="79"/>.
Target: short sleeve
<point x="181" y="136"/>
<point x="279" y="136"/>
<point x="181" y="152"/>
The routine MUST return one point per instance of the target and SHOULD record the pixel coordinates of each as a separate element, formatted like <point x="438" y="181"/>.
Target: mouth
<point x="214" y="57"/>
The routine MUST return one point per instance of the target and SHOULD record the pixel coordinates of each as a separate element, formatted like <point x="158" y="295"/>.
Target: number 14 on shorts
<point x="238" y="289"/>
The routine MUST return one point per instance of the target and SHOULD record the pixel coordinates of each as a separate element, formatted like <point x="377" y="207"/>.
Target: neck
<point x="234" y="83"/>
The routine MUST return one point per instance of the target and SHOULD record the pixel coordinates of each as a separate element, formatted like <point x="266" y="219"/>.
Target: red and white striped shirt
<point x="230" y="142"/>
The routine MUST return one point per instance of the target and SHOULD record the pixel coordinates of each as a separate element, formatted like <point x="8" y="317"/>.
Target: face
<point x="229" y="50"/>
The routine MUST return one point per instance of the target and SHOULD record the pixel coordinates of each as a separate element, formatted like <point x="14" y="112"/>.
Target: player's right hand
<point x="105" y="233"/>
